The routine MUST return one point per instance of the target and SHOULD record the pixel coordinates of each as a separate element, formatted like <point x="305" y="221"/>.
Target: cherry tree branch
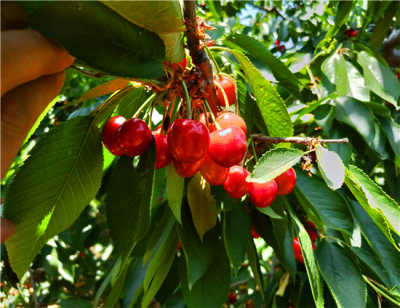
<point x="198" y="54"/>
<point x="297" y="140"/>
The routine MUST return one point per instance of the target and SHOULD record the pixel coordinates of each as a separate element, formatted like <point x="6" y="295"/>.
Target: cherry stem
<point x="310" y="141"/>
<point x="211" y="56"/>
<point x="254" y="150"/>
<point x="212" y="115"/>
<point x="188" y="101"/>
<point x="223" y="94"/>
<point x="141" y="108"/>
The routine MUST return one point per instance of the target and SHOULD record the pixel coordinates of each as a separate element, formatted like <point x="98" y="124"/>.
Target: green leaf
<point x="309" y="261"/>
<point x="346" y="78"/>
<point x="123" y="49"/>
<point x="331" y="167"/>
<point x="61" y="176"/>
<point x="75" y="303"/>
<point x="392" y="131"/>
<point x="166" y="21"/>
<point x="379" y="78"/>
<point x="260" y="52"/>
<point x="273" y="163"/>
<point x="235" y="239"/>
<point x="212" y="288"/>
<point x="382" y="209"/>
<point x="159" y="267"/>
<point x="255" y="266"/>
<point x="383" y="25"/>
<point x="175" y="188"/>
<point x="328" y="205"/>
<point x="271" y="105"/>
<point x="131" y="102"/>
<point x="342" y="276"/>
<point x="202" y="205"/>
<point x="269" y="212"/>
<point x="128" y="200"/>
<point x="358" y="116"/>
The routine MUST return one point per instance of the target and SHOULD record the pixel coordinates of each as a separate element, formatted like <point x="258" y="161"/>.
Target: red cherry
<point x="162" y="153"/>
<point x="262" y="194"/>
<point x="351" y="33"/>
<point x="227" y="146"/>
<point x="232" y="297"/>
<point x="212" y="172"/>
<point x="134" y="137"/>
<point x="277" y="43"/>
<point x="188" y="140"/>
<point x="281" y="48"/>
<point x="254" y="233"/>
<point x="110" y="134"/>
<point x="229" y="86"/>
<point x="297" y="250"/>
<point x="311" y="228"/>
<point x="286" y="182"/>
<point x="187" y="170"/>
<point x="229" y="119"/>
<point x="235" y="184"/>
<point x="179" y="246"/>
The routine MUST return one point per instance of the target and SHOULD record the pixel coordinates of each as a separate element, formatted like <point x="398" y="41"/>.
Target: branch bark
<point x="298" y="140"/>
<point x="391" y="54"/>
<point x="198" y="54"/>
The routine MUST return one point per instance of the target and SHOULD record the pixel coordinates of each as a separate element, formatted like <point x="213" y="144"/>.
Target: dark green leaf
<point x="271" y="105"/>
<point x="392" y="131"/>
<point x="342" y="276"/>
<point x="328" y="205"/>
<point x="175" y="188"/>
<point x="379" y="78"/>
<point x="75" y="303"/>
<point x="255" y="265"/>
<point x="273" y="163"/>
<point x="122" y="49"/>
<point x="382" y="209"/>
<point x="261" y="53"/>
<point x="383" y="25"/>
<point x="128" y="200"/>
<point x="236" y="230"/>
<point x="331" y="167"/>
<point x="61" y="176"/>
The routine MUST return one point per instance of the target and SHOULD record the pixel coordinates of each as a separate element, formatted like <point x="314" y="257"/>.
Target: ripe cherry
<point x="286" y="182"/>
<point x="277" y="43"/>
<point x="235" y="184"/>
<point x="262" y="194"/>
<point x="212" y="172"/>
<point x="229" y="119"/>
<point x="229" y="86"/>
<point x="227" y="146"/>
<point x="134" y="137"/>
<point x="254" y="233"/>
<point x="188" y="140"/>
<point x="187" y="170"/>
<point x="232" y="297"/>
<point x="311" y="230"/>
<point x="110" y="135"/>
<point x="297" y="250"/>
<point x="351" y="33"/>
<point x="162" y="153"/>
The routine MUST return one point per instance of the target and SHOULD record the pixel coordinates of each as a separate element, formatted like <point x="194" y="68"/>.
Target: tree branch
<point x="198" y="53"/>
<point x="269" y="10"/>
<point x="391" y="54"/>
<point x="298" y="140"/>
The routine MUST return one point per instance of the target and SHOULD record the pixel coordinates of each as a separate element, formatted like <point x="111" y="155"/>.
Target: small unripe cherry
<point x="110" y="135"/>
<point x="188" y="140"/>
<point x="286" y="182"/>
<point x="212" y="172"/>
<point x="235" y="183"/>
<point x="134" y="137"/>
<point x="229" y="86"/>
<point x="227" y="146"/>
<point x="229" y="119"/>
<point x="162" y="153"/>
<point x="262" y="194"/>
<point x="187" y="170"/>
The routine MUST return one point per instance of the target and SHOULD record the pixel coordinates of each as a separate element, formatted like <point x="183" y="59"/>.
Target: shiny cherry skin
<point x="235" y="183"/>
<point x="227" y="146"/>
<point x="262" y="194"/>
<point x="229" y="119"/>
<point x="297" y="250"/>
<point x="286" y="182"/>
<point x="254" y="233"/>
<point x="212" y="172"/>
<point x="188" y="140"/>
<point x="110" y="134"/>
<point x="229" y="86"/>
<point x="162" y="153"/>
<point x="134" y="137"/>
<point x="187" y="170"/>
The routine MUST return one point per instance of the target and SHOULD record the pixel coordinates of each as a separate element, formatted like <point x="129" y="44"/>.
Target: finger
<point x="19" y="110"/>
<point x="7" y="229"/>
<point x="27" y="55"/>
